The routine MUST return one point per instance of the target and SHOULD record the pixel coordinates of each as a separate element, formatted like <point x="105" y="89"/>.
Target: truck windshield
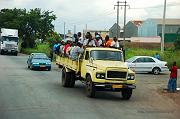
<point x="106" y="55"/>
<point x="6" y="38"/>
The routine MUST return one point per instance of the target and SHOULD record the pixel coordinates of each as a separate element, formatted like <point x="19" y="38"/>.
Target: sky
<point x="96" y="14"/>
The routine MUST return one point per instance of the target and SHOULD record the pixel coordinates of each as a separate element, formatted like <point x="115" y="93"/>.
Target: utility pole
<point x="117" y="18"/>
<point x="64" y="30"/>
<point x="86" y="28"/>
<point x="123" y="4"/>
<point x="74" y="29"/>
<point x="163" y="27"/>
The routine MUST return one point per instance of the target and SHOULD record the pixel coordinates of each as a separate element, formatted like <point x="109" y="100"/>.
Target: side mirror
<point x="91" y="60"/>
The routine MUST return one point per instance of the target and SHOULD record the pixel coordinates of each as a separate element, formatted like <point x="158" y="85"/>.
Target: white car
<point x="147" y="64"/>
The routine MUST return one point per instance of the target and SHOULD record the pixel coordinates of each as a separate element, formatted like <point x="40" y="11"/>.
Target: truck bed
<point x="68" y="63"/>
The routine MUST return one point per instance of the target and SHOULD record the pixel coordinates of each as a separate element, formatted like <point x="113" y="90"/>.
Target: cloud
<point x="97" y="14"/>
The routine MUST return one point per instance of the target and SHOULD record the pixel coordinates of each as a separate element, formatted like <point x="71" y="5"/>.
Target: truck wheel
<point x="2" y="52"/>
<point x="72" y="81"/>
<point x="66" y="77"/>
<point x="16" y="54"/>
<point x="126" y="94"/>
<point x="90" y="89"/>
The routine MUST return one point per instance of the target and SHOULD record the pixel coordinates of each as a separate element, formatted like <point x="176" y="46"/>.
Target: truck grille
<point x="116" y="74"/>
<point x="10" y="46"/>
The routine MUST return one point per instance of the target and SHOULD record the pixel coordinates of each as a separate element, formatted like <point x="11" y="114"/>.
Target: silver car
<point x="147" y="64"/>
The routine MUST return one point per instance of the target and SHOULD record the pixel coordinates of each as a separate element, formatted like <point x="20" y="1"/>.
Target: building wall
<point x="113" y="31"/>
<point x="131" y="30"/>
<point x="148" y="29"/>
<point x="169" y="29"/>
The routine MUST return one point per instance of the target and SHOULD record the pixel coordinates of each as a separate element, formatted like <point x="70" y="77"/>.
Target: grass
<point x="169" y="55"/>
<point x="42" y="48"/>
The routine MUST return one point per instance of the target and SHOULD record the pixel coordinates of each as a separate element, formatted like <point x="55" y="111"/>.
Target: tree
<point x="177" y="41"/>
<point x="32" y="24"/>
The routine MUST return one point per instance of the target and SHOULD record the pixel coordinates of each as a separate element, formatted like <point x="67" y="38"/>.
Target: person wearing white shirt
<point x="115" y="43"/>
<point x="98" y="41"/>
<point x="80" y="38"/>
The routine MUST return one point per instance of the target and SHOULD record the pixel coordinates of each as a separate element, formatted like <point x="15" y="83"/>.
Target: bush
<point x="177" y="44"/>
<point x="42" y="48"/>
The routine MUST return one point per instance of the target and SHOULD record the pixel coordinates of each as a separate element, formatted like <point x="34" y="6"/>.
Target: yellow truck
<point x="101" y="69"/>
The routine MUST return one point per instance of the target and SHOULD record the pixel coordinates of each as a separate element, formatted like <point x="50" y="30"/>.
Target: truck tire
<point x="126" y="94"/>
<point x="90" y="88"/>
<point x="72" y="81"/>
<point x="2" y="52"/>
<point x="15" y="54"/>
<point x="66" y="78"/>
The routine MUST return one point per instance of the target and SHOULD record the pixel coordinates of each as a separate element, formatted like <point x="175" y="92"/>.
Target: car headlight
<point x="130" y="77"/>
<point x="100" y="75"/>
<point x="49" y="63"/>
<point x="35" y="63"/>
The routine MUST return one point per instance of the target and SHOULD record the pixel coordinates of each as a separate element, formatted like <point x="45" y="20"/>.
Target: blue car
<point x="39" y="61"/>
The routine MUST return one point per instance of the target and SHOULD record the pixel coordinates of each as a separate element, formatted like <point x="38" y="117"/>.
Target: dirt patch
<point x="174" y="96"/>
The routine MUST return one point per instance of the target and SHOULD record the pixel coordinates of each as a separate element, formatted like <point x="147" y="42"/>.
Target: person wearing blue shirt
<point x="157" y="56"/>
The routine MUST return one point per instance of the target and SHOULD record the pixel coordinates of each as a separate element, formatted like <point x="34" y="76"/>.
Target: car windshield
<point x="6" y="38"/>
<point x="44" y="57"/>
<point x="131" y="59"/>
<point x="106" y="55"/>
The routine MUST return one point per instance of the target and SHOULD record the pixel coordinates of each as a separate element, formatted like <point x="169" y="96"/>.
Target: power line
<point x="121" y="4"/>
<point x="158" y="6"/>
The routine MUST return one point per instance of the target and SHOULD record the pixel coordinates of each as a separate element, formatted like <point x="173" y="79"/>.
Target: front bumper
<point x="7" y="51"/>
<point x="163" y="69"/>
<point x="113" y="87"/>
<point x="41" y="67"/>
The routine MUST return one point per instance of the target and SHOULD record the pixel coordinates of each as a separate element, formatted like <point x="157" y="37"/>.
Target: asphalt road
<point x="26" y="94"/>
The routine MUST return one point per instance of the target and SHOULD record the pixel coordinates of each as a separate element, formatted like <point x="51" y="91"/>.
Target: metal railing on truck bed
<point x="68" y="63"/>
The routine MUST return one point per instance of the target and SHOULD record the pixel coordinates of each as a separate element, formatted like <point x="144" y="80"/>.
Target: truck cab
<point x="9" y="41"/>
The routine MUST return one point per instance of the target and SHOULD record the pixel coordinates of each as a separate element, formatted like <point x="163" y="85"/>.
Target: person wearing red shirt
<point x="173" y="78"/>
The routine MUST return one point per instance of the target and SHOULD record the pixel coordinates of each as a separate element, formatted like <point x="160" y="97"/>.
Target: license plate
<point x="42" y="66"/>
<point x="116" y="86"/>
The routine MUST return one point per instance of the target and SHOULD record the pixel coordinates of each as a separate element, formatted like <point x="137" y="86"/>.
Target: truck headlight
<point x="130" y="77"/>
<point x="100" y="75"/>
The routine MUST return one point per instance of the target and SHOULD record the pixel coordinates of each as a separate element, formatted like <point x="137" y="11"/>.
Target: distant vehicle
<point x="147" y="64"/>
<point x="9" y="41"/>
<point x="39" y="61"/>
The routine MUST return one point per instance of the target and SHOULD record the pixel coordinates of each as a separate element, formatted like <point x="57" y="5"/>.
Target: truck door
<point x="84" y="64"/>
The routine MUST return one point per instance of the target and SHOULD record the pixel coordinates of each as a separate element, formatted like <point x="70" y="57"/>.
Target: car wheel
<point x="49" y="69"/>
<point x="90" y="89"/>
<point x="126" y="94"/>
<point x="31" y="67"/>
<point x="28" y="66"/>
<point x="156" y="71"/>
